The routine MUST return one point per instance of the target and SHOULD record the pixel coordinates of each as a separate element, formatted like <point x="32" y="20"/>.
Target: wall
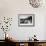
<point x="11" y="8"/>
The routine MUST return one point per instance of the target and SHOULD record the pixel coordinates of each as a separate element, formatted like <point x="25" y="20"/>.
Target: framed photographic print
<point x="26" y="20"/>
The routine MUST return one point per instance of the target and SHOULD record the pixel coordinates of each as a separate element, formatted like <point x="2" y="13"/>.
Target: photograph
<point x="26" y="19"/>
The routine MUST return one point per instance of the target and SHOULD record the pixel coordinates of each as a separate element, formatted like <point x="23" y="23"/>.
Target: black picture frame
<point x="26" y="20"/>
